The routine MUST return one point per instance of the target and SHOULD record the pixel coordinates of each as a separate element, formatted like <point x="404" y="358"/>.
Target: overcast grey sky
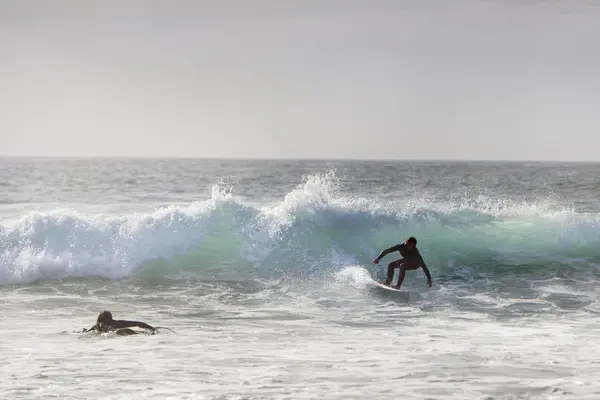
<point x="301" y="79"/>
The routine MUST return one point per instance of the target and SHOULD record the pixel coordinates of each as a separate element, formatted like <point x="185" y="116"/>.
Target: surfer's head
<point x="410" y="243"/>
<point x="104" y="320"/>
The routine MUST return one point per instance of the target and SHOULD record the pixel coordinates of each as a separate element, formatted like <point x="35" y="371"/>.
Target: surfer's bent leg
<point x="401" y="276"/>
<point x="406" y="266"/>
<point x="390" y="272"/>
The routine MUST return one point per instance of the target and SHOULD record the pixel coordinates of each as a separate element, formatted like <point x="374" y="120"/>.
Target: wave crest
<point x="316" y="227"/>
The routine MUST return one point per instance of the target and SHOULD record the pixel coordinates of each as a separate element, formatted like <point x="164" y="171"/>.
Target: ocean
<point x="263" y="269"/>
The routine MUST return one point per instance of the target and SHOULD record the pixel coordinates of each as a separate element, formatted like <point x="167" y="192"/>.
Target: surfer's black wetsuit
<point x="411" y="260"/>
<point x="106" y="323"/>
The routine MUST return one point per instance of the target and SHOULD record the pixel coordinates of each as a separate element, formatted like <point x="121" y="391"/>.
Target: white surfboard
<point x="389" y="288"/>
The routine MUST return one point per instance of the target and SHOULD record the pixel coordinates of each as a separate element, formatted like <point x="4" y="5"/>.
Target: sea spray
<point x="315" y="229"/>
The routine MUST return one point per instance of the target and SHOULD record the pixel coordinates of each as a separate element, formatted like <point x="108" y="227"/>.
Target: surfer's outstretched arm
<point x="129" y="324"/>
<point x="427" y="274"/>
<point x="386" y="252"/>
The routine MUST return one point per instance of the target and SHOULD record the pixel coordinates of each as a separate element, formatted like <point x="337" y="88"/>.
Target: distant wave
<point x="314" y="229"/>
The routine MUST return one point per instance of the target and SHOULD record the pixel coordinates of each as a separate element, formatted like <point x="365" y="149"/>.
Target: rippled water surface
<point x="263" y="268"/>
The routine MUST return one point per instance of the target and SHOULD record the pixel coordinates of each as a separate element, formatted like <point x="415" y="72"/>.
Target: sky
<point x="372" y="79"/>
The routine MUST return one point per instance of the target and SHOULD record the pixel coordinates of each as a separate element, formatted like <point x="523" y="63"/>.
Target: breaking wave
<point x="317" y="228"/>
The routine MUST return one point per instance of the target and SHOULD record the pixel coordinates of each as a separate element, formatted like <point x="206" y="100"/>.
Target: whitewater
<point x="263" y="268"/>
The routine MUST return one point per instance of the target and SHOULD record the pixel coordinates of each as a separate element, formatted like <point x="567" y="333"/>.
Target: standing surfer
<point x="411" y="260"/>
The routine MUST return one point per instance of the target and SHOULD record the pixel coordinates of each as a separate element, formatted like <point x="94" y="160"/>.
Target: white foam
<point x="66" y="242"/>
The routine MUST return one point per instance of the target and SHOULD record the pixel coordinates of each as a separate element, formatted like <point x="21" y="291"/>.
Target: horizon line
<point x="322" y="159"/>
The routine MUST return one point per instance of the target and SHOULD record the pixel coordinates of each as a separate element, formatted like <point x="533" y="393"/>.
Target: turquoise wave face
<point x="315" y="230"/>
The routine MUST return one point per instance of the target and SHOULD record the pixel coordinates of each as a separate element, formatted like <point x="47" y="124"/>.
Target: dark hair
<point x="104" y="317"/>
<point x="103" y="323"/>
<point x="412" y="240"/>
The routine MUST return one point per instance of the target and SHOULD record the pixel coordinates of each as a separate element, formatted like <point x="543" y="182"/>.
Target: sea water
<point x="263" y="268"/>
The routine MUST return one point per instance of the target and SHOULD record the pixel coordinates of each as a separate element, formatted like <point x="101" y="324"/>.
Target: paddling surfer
<point x="106" y="323"/>
<point x="411" y="260"/>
